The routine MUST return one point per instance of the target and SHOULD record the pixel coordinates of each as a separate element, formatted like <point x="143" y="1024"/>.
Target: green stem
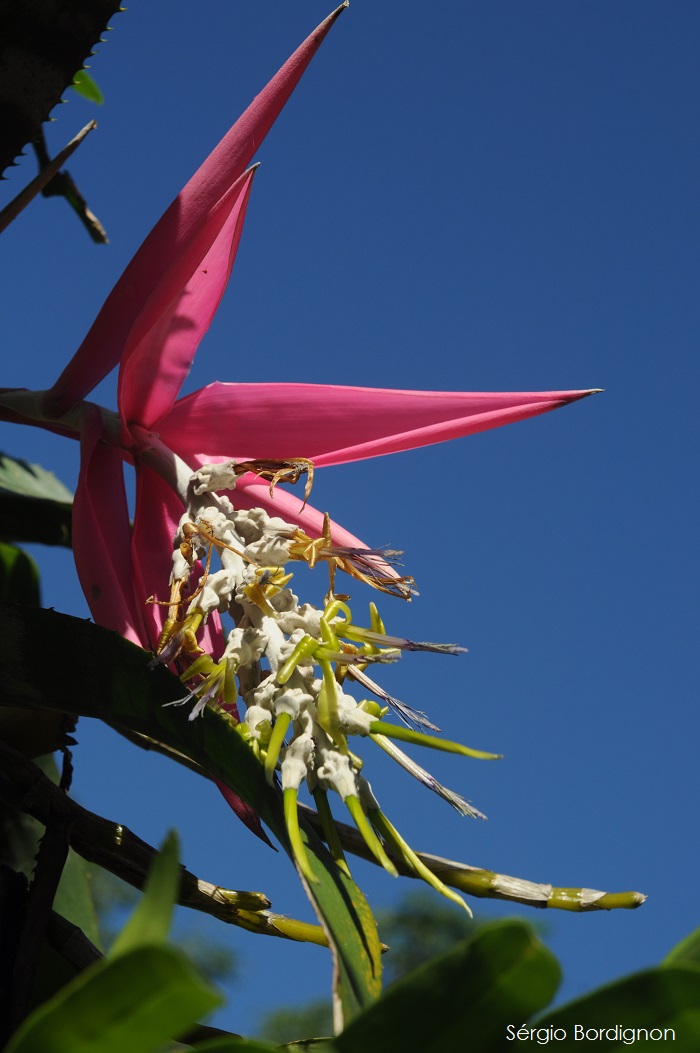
<point x="396" y="841"/>
<point x="487" y="883"/>
<point x="203" y="665"/>
<point x="291" y="818"/>
<point x="305" y="649"/>
<point x="328" y="707"/>
<point x="275" y="745"/>
<point x="371" y="840"/>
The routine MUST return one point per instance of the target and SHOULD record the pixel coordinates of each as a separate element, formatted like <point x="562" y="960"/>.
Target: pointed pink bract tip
<point x="576" y="395"/>
<point x="105" y="343"/>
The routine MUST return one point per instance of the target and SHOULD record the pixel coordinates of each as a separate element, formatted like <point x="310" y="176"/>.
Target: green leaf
<point x="665" y="997"/>
<point x="501" y="975"/>
<point x="84" y="85"/>
<point x="135" y="1002"/>
<point x="19" y="576"/>
<point x="113" y="681"/>
<point x="31" y="480"/>
<point x="74" y="900"/>
<point x="687" y="952"/>
<point x="152" y="916"/>
<point x="34" y="504"/>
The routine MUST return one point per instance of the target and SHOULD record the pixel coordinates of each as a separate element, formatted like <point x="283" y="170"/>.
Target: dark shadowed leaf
<point x="464" y="999"/>
<point x="19" y="576"/>
<point x="42" y="47"/>
<point x="666" y="997"/>
<point x="34" y="504"/>
<point x="687" y="952"/>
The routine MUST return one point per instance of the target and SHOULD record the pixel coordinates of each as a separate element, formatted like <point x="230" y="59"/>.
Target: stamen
<point x="406" y="713"/>
<point x="355" y="632"/>
<point x="288" y="471"/>
<point x="364" y="564"/>
<point x="408" y="764"/>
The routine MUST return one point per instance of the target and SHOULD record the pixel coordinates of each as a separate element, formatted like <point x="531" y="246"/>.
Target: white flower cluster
<point x="296" y="721"/>
<point x="253" y="549"/>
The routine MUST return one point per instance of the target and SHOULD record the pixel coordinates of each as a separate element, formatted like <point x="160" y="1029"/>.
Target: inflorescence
<point x="290" y="663"/>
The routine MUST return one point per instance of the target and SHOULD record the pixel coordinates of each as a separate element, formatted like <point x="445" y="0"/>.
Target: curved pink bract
<point x="145" y="290"/>
<point x="166" y="350"/>
<point x="333" y="424"/>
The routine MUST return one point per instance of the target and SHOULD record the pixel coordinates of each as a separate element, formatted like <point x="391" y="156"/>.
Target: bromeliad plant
<point x="212" y="534"/>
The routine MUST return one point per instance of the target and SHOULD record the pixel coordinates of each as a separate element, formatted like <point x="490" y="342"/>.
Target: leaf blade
<point x="667" y="996"/>
<point x="501" y="974"/>
<point x="31" y="480"/>
<point x="151" y="919"/>
<point x="687" y="952"/>
<point x="137" y="1001"/>
<point x="83" y="84"/>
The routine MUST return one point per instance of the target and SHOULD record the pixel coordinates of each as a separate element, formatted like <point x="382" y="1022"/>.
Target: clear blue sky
<point x="459" y="196"/>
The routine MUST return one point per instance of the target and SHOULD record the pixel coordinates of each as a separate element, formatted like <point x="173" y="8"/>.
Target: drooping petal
<point x="170" y="239"/>
<point x="330" y="424"/>
<point x="155" y="363"/>
<point x="102" y="534"/>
